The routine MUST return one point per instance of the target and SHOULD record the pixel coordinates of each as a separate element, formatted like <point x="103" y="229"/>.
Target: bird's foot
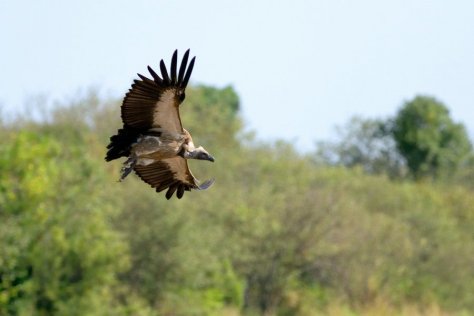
<point x="128" y="166"/>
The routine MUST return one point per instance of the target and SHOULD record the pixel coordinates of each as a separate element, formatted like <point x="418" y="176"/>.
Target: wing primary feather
<point x="174" y="61"/>
<point x="171" y="191"/>
<point x="182" y="67"/>
<point x="180" y="192"/>
<point x="155" y="76"/>
<point x="145" y="79"/>
<point x="188" y="73"/>
<point x="164" y="72"/>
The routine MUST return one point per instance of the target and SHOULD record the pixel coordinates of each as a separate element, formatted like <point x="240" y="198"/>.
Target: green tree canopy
<point x="429" y="140"/>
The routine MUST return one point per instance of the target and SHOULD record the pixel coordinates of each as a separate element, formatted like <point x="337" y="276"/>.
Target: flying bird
<point x="152" y="137"/>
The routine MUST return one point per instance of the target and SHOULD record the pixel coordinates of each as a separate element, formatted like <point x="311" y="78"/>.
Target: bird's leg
<point x="128" y="166"/>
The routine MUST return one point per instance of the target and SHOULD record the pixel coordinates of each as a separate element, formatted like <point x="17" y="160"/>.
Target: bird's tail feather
<point x="121" y="143"/>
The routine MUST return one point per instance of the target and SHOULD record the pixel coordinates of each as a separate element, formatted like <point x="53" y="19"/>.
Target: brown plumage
<point x="153" y="138"/>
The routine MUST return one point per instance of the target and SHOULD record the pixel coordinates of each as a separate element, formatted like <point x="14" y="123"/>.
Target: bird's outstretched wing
<point x="172" y="174"/>
<point x="154" y="103"/>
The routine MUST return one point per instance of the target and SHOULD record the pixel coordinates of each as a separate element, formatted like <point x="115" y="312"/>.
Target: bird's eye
<point x="182" y="96"/>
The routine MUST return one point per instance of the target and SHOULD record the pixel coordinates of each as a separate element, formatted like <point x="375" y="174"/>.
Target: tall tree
<point x="429" y="140"/>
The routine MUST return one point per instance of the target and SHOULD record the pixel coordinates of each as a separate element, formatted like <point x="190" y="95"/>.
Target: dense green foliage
<point x="278" y="233"/>
<point x="432" y="144"/>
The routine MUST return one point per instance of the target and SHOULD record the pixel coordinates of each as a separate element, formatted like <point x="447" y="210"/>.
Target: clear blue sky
<point x="300" y="67"/>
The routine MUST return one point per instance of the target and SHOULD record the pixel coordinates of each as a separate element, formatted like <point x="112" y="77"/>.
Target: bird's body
<point x="152" y="138"/>
<point x="150" y="147"/>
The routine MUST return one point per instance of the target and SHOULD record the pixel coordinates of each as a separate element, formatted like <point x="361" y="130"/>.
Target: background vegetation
<point x="378" y="222"/>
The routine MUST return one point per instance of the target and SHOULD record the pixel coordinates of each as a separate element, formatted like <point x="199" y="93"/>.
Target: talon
<point x="128" y="166"/>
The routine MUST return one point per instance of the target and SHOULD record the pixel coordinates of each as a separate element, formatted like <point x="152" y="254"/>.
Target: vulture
<point x="152" y="137"/>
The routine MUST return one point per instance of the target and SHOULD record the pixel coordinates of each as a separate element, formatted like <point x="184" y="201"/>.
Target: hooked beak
<point x="210" y="158"/>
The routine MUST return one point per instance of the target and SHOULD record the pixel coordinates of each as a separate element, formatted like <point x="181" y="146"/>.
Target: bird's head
<point x="199" y="153"/>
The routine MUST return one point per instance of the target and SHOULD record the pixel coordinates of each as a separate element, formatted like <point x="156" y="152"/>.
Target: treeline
<point x="349" y="229"/>
<point x="420" y="142"/>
